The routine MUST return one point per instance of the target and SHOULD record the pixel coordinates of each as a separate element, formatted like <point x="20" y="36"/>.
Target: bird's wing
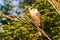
<point x="38" y="14"/>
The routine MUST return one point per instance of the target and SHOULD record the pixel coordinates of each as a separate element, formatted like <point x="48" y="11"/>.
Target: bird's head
<point x="33" y="10"/>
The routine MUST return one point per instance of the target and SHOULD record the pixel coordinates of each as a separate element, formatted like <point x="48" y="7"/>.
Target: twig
<point x="55" y="5"/>
<point x="42" y="31"/>
<point x="3" y="15"/>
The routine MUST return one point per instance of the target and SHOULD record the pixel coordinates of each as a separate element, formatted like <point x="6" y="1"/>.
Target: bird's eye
<point x="31" y="8"/>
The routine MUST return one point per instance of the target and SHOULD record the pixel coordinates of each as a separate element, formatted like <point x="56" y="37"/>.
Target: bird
<point x="37" y="21"/>
<point x="36" y="16"/>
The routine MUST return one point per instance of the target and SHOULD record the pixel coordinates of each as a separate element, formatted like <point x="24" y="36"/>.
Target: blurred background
<point x="24" y="29"/>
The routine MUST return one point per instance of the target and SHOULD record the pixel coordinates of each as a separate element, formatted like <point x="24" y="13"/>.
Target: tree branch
<point x="3" y="15"/>
<point x="55" y="5"/>
<point x="43" y="32"/>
